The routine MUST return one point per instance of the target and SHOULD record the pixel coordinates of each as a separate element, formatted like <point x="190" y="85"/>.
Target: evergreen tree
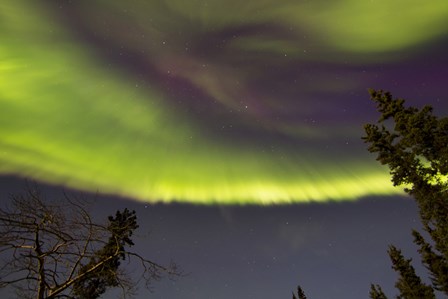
<point x="300" y="294"/>
<point x="376" y="292"/>
<point x="409" y="284"/>
<point x="95" y="283"/>
<point x="414" y="144"/>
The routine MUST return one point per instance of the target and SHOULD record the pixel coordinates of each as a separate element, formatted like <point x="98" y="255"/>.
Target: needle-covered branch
<point x="413" y="143"/>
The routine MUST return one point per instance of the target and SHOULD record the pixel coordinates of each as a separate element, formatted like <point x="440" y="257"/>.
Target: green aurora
<point x="69" y="115"/>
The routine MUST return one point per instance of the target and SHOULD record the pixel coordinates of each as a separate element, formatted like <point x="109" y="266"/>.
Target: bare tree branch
<point x="55" y="250"/>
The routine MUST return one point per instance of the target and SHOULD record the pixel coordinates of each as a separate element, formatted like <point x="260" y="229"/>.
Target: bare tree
<point x="56" y="250"/>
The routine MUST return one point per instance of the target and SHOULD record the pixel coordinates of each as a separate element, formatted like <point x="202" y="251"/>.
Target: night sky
<point x="232" y="128"/>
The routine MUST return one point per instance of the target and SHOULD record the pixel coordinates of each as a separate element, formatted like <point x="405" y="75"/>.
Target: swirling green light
<point x="68" y="118"/>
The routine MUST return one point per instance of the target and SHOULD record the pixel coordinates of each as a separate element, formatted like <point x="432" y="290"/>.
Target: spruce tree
<point x="376" y="292"/>
<point x="300" y="294"/>
<point x="414" y="144"/>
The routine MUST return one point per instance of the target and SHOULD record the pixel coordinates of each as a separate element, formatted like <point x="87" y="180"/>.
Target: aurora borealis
<point x="210" y="101"/>
<point x="233" y="128"/>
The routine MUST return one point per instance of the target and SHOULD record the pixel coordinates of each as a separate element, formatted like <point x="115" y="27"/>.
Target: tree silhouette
<point x="56" y="250"/>
<point x="376" y="292"/>
<point x="414" y="144"/>
<point x="300" y="294"/>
